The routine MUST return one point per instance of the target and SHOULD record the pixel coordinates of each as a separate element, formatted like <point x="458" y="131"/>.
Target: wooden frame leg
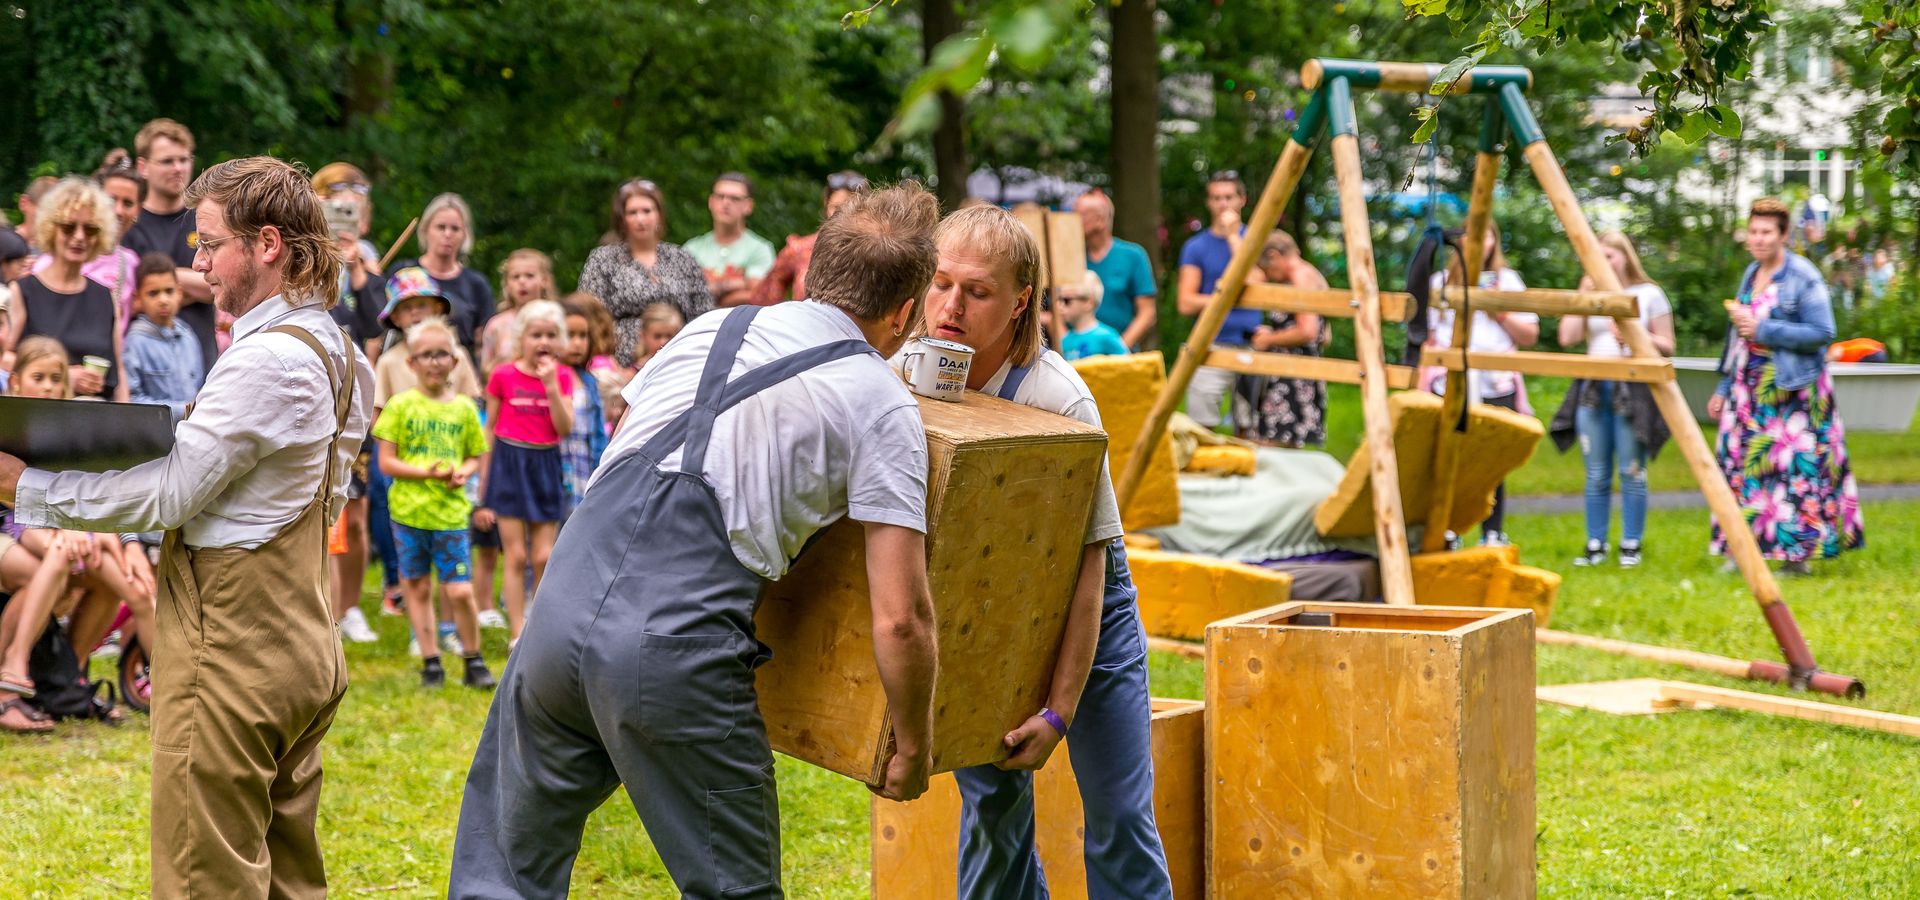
<point x="1446" y="456"/>
<point x="1686" y="432"/>
<point x="1266" y="214"/>
<point x="1390" y="524"/>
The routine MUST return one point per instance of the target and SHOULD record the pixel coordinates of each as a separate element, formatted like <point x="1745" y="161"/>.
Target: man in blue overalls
<point x="750" y="432"/>
<point x="982" y="295"/>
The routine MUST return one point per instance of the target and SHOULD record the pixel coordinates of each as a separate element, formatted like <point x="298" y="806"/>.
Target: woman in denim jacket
<point x="1781" y="443"/>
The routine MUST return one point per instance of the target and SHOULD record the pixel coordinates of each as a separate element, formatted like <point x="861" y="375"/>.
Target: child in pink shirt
<point x="529" y="406"/>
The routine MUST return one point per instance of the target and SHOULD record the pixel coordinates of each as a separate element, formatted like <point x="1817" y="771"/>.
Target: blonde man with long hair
<point x="1617" y="424"/>
<point x="985" y="295"/>
<point x="247" y="670"/>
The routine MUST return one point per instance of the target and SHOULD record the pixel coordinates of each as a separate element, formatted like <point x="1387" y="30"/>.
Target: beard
<point x="236" y="294"/>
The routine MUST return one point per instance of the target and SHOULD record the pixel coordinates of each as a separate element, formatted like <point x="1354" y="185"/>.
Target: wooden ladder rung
<point x="1527" y="362"/>
<point x="1618" y="304"/>
<point x="1314" y="368"/>
<point x="1334" y="303"/>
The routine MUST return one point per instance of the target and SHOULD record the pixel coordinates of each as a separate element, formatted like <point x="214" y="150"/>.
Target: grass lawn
<point x="1692" y="804"/>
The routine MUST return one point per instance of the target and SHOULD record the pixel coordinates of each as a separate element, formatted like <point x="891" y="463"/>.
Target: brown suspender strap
<point x="342" y="392"/>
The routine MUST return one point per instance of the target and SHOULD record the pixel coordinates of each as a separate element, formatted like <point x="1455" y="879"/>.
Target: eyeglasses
<point x="731" y="198"/>
<point x="354" y="186"/>
<point x="72" y="228"/>
<point x="846" y="181"/>
<point x="209" y="246"/>
<point x="433" y="356"/>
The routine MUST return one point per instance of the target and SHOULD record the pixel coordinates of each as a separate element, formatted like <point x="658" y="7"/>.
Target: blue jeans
<point x="379" y="527"/>
<point x="1112" y="755"/>
<point x="1607" y="443"/>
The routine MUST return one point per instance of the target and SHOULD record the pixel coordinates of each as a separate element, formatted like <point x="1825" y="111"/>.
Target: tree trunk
<point x="938" y="21"/>
<point x="1135" y="126"/>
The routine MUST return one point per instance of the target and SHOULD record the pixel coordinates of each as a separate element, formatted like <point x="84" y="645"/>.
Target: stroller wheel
<point x="134" y="688"/>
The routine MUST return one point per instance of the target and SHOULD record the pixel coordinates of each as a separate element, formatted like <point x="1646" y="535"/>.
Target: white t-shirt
<point x="1653" y="305"/>
<point x="1054" y="386"/>
<point x="841" y="439"/>
<point x="1485" y="336"/>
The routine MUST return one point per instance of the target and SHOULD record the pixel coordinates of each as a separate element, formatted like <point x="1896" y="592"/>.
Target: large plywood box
<point x="916" y="845"/>
<point x="1124" y="388"/>
<point x="1009" y="489"/>
<point x="1359" y="750"/>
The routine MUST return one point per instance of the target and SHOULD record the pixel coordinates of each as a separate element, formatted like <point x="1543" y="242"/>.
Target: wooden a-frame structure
<point x="1333" y="82"/>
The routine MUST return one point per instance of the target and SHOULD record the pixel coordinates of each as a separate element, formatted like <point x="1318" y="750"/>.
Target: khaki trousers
<point x="247" y="675"/>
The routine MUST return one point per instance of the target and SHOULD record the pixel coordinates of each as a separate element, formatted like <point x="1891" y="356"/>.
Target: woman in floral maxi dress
<point x="1781" y="443"/>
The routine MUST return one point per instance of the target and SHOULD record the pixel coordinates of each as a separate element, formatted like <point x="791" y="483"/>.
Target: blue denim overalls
<point x="1112" y="755"/>
<point x="636" y="668"/>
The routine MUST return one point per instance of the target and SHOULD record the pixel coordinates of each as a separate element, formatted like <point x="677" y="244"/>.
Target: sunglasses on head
<point x="1224" y="175"/>
<point x="846" y="181"/>
<point x="642" y="184"/>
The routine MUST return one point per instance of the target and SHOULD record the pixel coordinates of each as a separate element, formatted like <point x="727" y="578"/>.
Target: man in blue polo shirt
<point x="1202" y="260"/>
<point x="1129" y="304"/>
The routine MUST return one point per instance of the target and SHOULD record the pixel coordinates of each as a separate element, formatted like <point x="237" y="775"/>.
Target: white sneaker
<point x="354" y="627"/>
<point x="413" y="647"/>
<point x="491" y="618"/>
<point x="450" y="643"/>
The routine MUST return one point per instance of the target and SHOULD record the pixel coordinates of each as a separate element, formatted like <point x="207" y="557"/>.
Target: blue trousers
<point x="1112" y="754"/>
<point x="379" y="526"/>
<point x="1607" y="443"/>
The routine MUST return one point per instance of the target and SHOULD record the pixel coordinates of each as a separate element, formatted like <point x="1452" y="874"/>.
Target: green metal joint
<point x="1312" y="119"/>
<point x="1493" y="126"/>
<point x="1489" y="79"/>
<point x="1340" y="109"/>
<point x="1520" y="118"/>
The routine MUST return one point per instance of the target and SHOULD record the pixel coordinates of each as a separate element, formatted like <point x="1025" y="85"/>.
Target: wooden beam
<point x="1188" y="649"/>
<point x="1812" y="711"/>
<point x="1673" y="407"/>
<point x="1410" y="77"/>
<point x="1334" y="303"/>
<point x="1313" y="368"/>
<point x="1390" y="524"/>
<point x="1658" y="370"/>
<point x="1543" y="301"/>
<point x="1446" y="445"/>
<point x="1706" y="662"/>
<point x="1266" y="215"/>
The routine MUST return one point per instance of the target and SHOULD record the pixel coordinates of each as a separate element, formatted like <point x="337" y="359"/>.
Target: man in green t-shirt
<point x="431" y="442"/>
<point x="734" y="258"/>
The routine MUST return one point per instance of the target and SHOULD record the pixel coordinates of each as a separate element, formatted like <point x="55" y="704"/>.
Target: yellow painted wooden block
<point x="1525" y="587"/>
<point x="1223" y="459"/>
<point x="1009" y="489"/>
<point x="1497" y="442"/>
<point x="1140" y="541"/>
<point x="1182" y="593"/>
<point x="915" y="845"/>
<point x="1124" y="387"/>
<point x="1459" y="577"/>
<point x="1361" y="750"/>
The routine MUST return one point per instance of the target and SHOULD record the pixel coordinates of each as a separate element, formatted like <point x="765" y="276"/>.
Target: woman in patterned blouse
<point x="641" y="268"/>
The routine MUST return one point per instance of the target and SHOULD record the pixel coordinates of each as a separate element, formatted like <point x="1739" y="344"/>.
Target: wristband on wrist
<point x="1053" y="718"/>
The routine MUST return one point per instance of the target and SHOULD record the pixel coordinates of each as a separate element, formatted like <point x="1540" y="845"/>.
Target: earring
<point x="900" y="331"/>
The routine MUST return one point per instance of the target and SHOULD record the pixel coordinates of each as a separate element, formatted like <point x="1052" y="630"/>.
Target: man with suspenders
<point x="247" y="671"/>
<point x="754" y="429"/>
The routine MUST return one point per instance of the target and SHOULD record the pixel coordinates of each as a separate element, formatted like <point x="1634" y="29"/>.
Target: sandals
<point x="14" y="684"/>
<point x="37" y="721"/>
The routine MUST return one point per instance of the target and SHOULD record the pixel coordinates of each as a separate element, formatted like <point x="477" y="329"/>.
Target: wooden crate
<point x="1009" y="490"/>
<point x="1385" y="752"/>
<point x="916" y="845"/>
